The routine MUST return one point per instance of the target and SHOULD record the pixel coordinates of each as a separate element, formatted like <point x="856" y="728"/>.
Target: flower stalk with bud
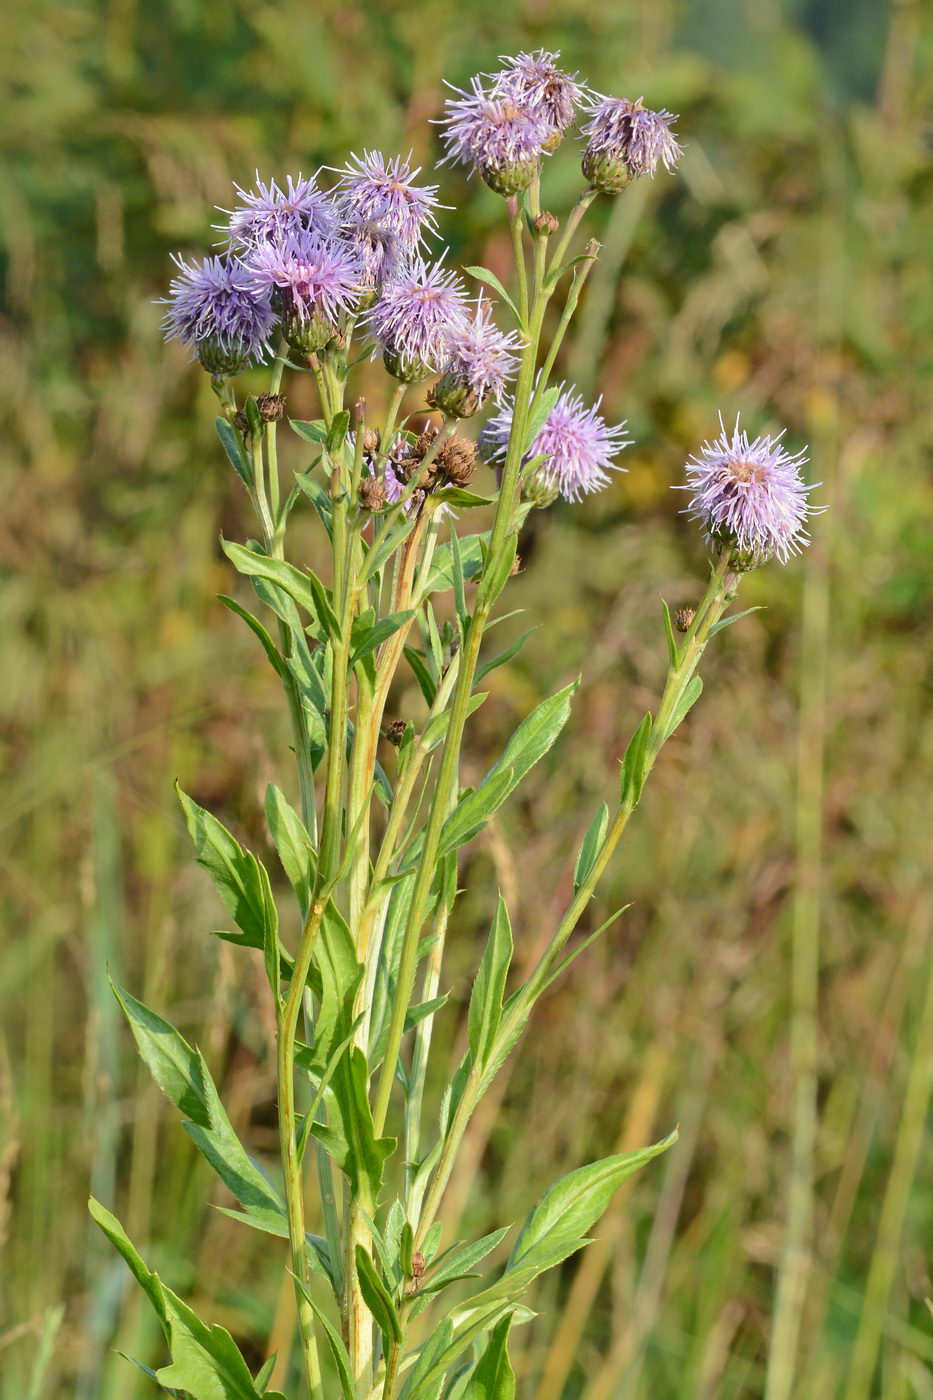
<point x="335" y="273"/>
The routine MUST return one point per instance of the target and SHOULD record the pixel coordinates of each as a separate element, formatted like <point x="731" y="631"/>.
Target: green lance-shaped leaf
<point x="337" y="433"/>
<point x="536" y="421"/>
<point x="235" y="449"/>
<point x="376" y="1296"/>
<point x="483" y="274"/>
<point x="368" y="635"/>
<point x="206" y="1364"/>
<point x="592" y="845"/>
<point x="293" y="844"/>
<point x="257" y="565"/>
<point x="530" y="742"/>
<point x="497" y="572"/>
<point x="493" y="1377"/>
<point x="315" y="431"/>
<point x="425" y="1368"/>
<point x="486" y="1000"/>
<point x="184" y="1078"/>
<point x="557" y="1226"/>
<point x="669" y="634"/>
<point x="688" y="698"/>
<point x="349" y="1134"/>
<point x="256" y="627"/>
<point x="240" y="880"/>
<point x="441" y="573"/>
<point x="634" y="763"/>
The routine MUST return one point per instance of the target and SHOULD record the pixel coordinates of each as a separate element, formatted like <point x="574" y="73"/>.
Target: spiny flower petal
<point x="372" y="189"/>
<point x="215" y="303"/>
<point x="577" y="443"/>
<point x="750" y="495"/>
<point x="415" y="317"/>
<point x="534" y="82"/>
<point x="626" y="140"/>
<point x="267" y="213"/>
<point x="315" y="275"/>
<point x="481" y="360"/>
<point x="495" y="135"/>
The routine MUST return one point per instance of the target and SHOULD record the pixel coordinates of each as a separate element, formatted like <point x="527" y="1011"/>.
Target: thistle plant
<point x="319" y="276"/>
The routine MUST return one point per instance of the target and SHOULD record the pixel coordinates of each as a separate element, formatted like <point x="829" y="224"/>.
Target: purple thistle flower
<point x="481" y="360"/>
<point x="317" y="280"/>
<point x="576" y="443"/>
<point x="750" y="496"/>
<point x="215" y="306"/>
<point x="372" y="190"/>
<point x="535" y="83"/>
<point x="382" y="257"/>
<point x="626" y="140"/>
<point x="496" y="136"/>
<point x="267" y="213"/>
<point x="415" y="318"/>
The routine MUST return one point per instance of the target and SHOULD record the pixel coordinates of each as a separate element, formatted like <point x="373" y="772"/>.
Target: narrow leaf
<point x="235" y="449"/>
<point x="486" y="1000"/>
<point x="376" y="1296"/>
<point x="633" y="763"/>
<point x="592" y="844"/>
<point x="669" y="633"/>
<point x="268" y="645"/>
<point x="482" y="274"/>
<point x="493" y="1377"/>
<point x="688" y="699"/>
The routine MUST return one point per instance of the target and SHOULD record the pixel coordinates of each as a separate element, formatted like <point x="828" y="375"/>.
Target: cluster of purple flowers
<point x="507" y="121"/>
<point x="311" y="262"/>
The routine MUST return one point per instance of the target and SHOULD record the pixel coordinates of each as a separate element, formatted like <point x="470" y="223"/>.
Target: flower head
<point x="267" y="213"/>
<point x="215" y="306"/>
<point x="481" y="360"/>
<point x="415" y="317"/>
<point x="316" y="280"/>
<point x="373" y="190"/>
<point x="536" y="84"/>
<point x="495" y="135"/>
<point x="750" y="496"/>
<point x="626" y="139"/>
<point x="576" y="442"/>
<point x="381" y="254"/>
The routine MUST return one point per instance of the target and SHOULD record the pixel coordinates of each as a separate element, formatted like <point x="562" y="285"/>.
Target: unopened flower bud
<point x="683" y="619"/>
<point x="371" y="440"/>
<point x="217" y="358"/>
<point x="540" y="491"/>
<point x="407" y="369"/>
<point x="454" y="396"/>
<point x="271" y="407"/>
<point x="545" y="223"/>
<point x="310" y="335"/>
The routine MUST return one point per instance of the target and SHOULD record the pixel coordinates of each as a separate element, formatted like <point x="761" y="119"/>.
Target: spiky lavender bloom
<point x="215" y="306"/>
<point x="481" y="360"/>
<point x="267" y="213"/>
<point x="496" y="136"/>
<point x="626" y="139"/>
<point x="576" y="442"/>
<point x="316" y="280"/>
<point x="535" y="83"/>
<point x="415" y="317"/>
<point x="374" y="190"/>
<point x="750" y="497"/>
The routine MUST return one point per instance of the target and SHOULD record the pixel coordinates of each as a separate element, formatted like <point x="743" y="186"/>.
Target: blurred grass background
<point x="785" y="838"/>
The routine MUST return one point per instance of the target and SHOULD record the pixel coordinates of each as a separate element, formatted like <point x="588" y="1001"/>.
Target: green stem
<point x="719" y="595"/>
<point x="517" y="226"/>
